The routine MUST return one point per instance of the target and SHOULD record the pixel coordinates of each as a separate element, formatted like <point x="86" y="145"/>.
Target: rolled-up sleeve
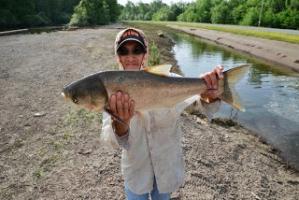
<point x="109" y="137"/>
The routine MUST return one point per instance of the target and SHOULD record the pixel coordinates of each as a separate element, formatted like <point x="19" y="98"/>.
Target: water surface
<point x="270" y="94"/>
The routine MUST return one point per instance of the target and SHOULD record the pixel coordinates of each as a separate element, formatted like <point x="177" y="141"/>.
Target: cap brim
<point x="130" y="39"/>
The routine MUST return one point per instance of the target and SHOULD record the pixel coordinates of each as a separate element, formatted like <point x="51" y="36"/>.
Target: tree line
<point x="267" y="13"/>
<point x="35" y="13"/>
<point x="30" y="13"/>
<point x="26" y="13"/>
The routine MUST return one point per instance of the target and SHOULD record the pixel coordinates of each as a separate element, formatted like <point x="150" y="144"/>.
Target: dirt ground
<point x="52" y="150"/>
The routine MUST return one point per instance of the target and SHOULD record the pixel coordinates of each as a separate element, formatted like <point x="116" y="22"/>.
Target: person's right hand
<point x="122" y="106"/>
<point x="212" y="80"/>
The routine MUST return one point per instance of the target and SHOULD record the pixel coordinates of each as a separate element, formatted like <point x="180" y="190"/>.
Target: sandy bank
<point x="271" y="51"/>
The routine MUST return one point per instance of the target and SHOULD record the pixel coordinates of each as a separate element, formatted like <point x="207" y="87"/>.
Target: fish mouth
<point x="64" y="95"/>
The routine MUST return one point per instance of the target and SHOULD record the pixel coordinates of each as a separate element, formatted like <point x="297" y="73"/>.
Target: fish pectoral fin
<point x="162" y="70"/>
<point x="116" y="117"/>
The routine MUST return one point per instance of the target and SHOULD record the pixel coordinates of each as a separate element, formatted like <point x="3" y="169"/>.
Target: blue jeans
<point x="155" y="195"/>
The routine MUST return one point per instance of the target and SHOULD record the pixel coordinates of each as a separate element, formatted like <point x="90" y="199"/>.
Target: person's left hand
<point x="212" y="78"/>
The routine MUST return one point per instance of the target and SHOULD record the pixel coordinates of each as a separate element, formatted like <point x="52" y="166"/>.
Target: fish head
<point x="88" y="92"/>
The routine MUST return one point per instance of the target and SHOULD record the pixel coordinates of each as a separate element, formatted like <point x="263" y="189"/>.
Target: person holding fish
<point x="152" y="159"/>
<point x="142" y="109"/>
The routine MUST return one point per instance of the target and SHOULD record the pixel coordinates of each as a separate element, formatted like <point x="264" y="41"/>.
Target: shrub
<point x="154" y="55"/>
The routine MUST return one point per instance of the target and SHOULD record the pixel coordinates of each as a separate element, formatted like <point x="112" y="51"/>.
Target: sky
<point x="123" y="2"/>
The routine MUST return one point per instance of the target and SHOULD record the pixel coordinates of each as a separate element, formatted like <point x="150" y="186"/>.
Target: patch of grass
<point x="57" y="145"/>
<point x="81" y="117"/>
<point x="51" y="154"/>
<point x="225" y="122"/>
<point x="67" y="135"/>
<point x="41" y="152"/>
<point x="38" y="173"/>
<point x="46" y="165"/>
<point x="49" y="163"/>
<point x="291" y="38"/>
<point x="154" y="58"/>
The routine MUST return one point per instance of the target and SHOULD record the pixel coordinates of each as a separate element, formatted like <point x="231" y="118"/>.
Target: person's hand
<point x="212" y="78"/>
<point x="123" y="107"/>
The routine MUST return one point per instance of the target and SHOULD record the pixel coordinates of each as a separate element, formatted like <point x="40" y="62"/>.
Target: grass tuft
<point x="81" y="117"/>
<point x="154" y="58"/>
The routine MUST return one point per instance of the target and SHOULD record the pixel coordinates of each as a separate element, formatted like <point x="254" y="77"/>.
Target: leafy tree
<point x="114" y="9"/>
<point x="189" y="15"/>
<point x="220" y="14"/>
<point x="251" y="17"/>
<point x="12" y="12"/>
<point x="156" y="5"/>
<point x="128" y="11"/>
<point x="294" y="4"/>
<point x="7" y="19"/>
<point x="80" y="16"/>
<point x="94" y="12"/>
<point x="144" y="11"/>
<point x="203" y="10"/>
<point x="176" y="10"/>
<point x="277" y="5"/>
<point x="269" y="19"/>
<point x="164" y="14"/>
<point x="200" y="11"/>
<point x="27" y="13"/>
<point x="288" y="19"/>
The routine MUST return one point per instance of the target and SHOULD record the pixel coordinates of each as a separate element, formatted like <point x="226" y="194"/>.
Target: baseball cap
<point x="130" y="35"/>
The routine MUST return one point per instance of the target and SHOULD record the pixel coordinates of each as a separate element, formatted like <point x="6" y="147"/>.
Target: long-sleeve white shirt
<point x="151" y="148"/>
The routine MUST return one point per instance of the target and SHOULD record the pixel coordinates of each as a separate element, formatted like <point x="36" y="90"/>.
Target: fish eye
<point x="75" y="100"/>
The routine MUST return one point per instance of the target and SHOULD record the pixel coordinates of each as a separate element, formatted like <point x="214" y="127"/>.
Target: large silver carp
<point x="149" y="88"/>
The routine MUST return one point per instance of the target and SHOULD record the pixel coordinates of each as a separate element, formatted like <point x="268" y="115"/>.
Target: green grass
<point x="46" y="165"/>
<point x="255" y="33"/>
<point x="81" y="117"/>
<point x="38" y="173"/>
<point x="51" y="155"/>
<point x="154" y="55"/>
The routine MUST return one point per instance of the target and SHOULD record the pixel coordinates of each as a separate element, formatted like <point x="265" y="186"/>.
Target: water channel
<point x="270" y="94"/>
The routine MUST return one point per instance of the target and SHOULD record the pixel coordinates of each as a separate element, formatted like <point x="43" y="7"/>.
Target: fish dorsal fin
<point x="162" y="70"/>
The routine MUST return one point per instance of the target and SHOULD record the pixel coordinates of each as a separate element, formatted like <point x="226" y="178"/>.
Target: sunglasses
<point x="138" y="50"/>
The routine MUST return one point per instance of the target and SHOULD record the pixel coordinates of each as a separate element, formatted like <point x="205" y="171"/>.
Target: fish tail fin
<point x="231" y="77"/>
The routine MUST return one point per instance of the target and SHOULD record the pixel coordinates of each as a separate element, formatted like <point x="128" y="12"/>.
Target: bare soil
<point x="52" y="150"/>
